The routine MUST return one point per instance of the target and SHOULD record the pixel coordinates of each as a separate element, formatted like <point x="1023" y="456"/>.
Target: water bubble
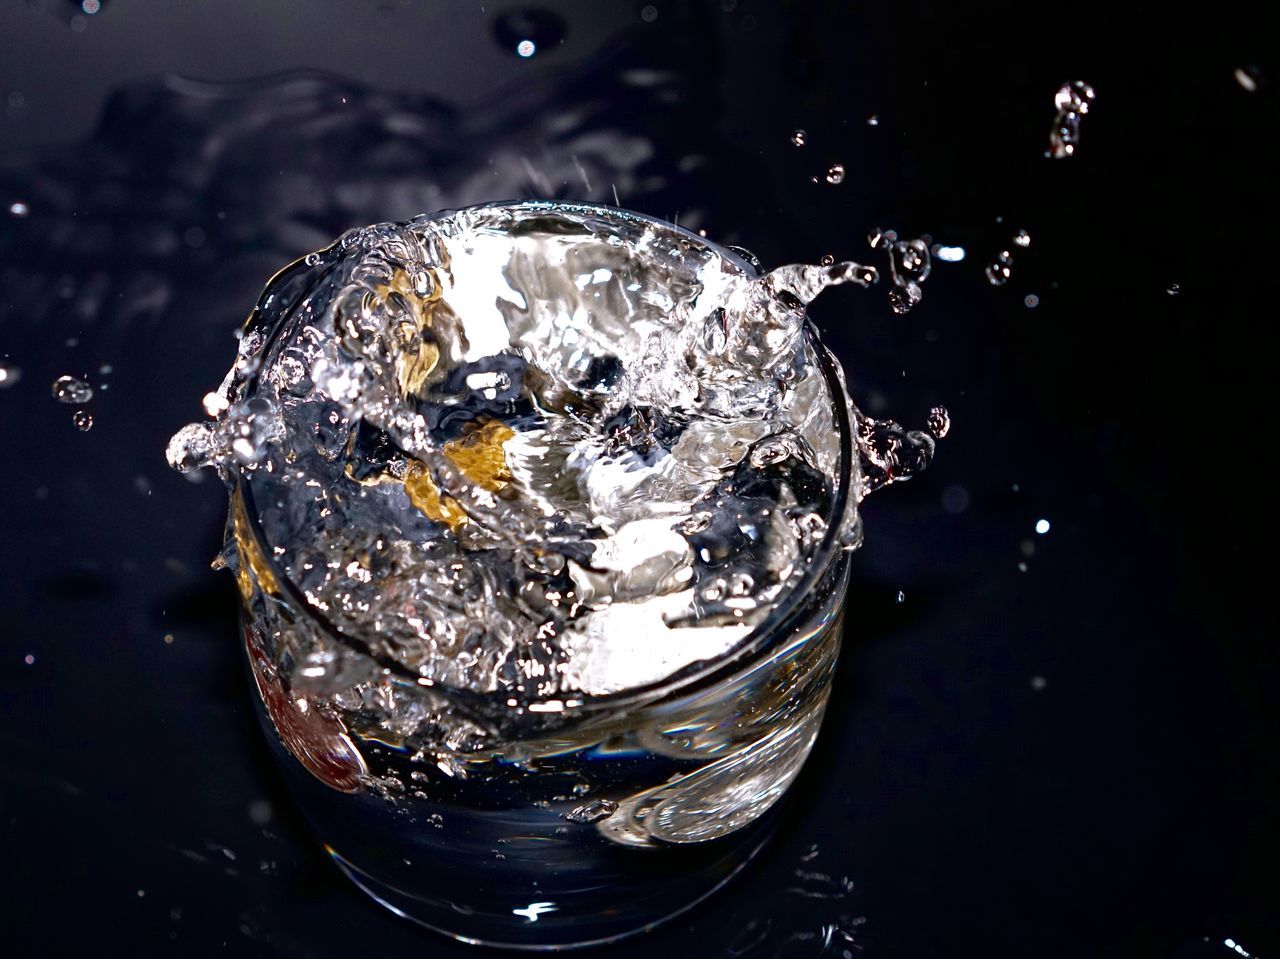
<point x="649" y="14"/>
<point x="799" y="138"/>
<point x="939" y="422"/>
<point x="827" y="259"/>
<point x="1072" y="102"/>
<point x="525" y="32"/>
<point x="9" y="376"/>
<point x="68" y="389"/>
<point x="1031" y="301"/>
<point x="83" y="420"/>
<point x="592" y="811"/>
<point x="1022" y="238"/>
<point x="19" y="209"/>
<point x="1000" y="269"/>
<point x="835" y="174"/>
<point x="311" y="259"/>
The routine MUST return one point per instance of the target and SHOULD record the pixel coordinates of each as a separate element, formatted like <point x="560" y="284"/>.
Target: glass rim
<point x="785" y="615"/>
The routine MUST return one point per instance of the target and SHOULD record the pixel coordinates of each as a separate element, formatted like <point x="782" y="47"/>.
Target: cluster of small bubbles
<point x="1031" y="301"/>
<point x="1000" y="269"/>
<point x="1022" y="238"/>
<point x="83" y="420"/>
<point x="9" y="375"/>
<point x="939" y="422"/>
<point x="68" y="389"/>
<point x="835" y="174"/>
<point x="19" y="209"/>
<point x="1072" y="102"/>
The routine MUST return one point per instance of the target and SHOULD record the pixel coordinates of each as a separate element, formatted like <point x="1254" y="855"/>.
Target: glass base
<point x="437" y="916"/>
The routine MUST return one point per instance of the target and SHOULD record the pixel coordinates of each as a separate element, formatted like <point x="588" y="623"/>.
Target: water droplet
<point x="29" y="659"/>
<point x="311" y="259"/>
<point x="999" y="270"/>
<point x="649" y="14"/>
<point x="1072" y="102"/>
<point x="83" y="420"/>
<point x="827" y="259"/>
<point x="903" y="298"/>
<point x="592" y="811"/>
<point x="1042" y="526"/>
<point x="948" y="254"/>
<point x="1248" y="78"/>
<point x="1174" y="289"/>
<point x="525" y="32"/>
<point x="873" y="120"/>
<point x="799" y="138"/>
<point x="1022" y="238"/>
<point x="9" y="375"/>
<point x="68" y="389"/>
<point x="1031" y="301"/>
<point x="1038" y="683"/>
<point x="19" y="209"/>
<point x="902" y="596"/>
<point x="835" y="174"/>
<point x="939" y="422"/>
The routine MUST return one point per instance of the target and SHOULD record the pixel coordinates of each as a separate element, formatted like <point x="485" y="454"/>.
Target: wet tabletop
<point x="1047" y="736"/>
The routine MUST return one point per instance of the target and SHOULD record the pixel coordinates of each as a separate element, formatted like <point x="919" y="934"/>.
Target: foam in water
<point x="529" y="450"/>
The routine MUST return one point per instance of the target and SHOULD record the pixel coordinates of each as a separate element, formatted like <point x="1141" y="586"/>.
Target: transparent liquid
<point x="493" y="468"/>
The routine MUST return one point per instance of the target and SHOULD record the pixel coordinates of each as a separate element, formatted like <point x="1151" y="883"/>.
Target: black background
<point x="1071" y="759"/>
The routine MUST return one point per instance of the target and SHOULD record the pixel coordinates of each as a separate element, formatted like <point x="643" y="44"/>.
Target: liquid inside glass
<point x="540" y="516"/>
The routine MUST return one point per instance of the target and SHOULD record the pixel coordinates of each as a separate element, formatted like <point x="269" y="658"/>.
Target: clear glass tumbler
<point x="575" y="822"/>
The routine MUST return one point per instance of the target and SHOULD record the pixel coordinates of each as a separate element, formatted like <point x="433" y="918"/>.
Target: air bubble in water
<point x="1000" y="269"/>
<point x="68" y="389"/>
<point x="799" y="138"/>
<point x="83" y="420"/>
<point x="592" y="811"/>
<point x="835" y="174"/>
<point x="939" y="422"/>
<point x="1072" y="102"/>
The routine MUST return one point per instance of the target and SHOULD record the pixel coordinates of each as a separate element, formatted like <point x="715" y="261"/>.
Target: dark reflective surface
<point x="1064" y="760"/>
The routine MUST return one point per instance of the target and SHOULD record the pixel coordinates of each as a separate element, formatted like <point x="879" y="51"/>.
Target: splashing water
<point x="537" y="450"/>
<point x="1072" y="102"/>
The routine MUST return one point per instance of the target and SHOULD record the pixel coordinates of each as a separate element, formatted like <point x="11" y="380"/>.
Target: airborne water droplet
<point x="9" y="375"/>
<point x="68" y="389"/>
<point x="835" y="174"/>
<point x="799" y="138"/>
<point x="939" y="422"/>
<point x="83" y="420"/>
<point x="1022" y="238"/>
<point x="999" y="270"/>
